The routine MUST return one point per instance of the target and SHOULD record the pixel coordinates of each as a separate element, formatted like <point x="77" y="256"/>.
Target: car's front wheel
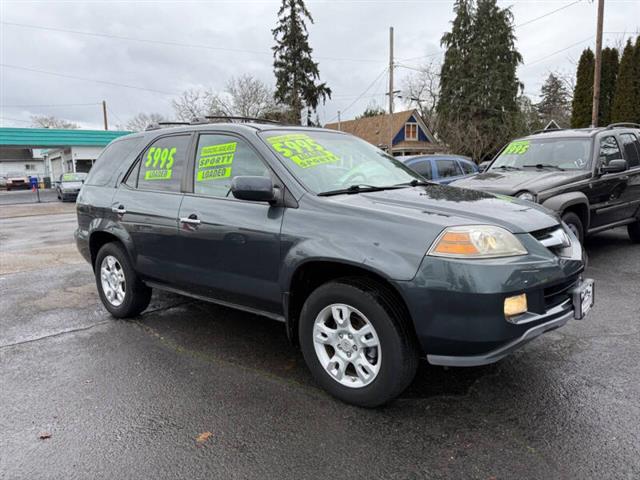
<point x="575" y="224"/>
<point x="634" y="231"/>
<point x="354" y="343"/>
<point x="121" y="291"/>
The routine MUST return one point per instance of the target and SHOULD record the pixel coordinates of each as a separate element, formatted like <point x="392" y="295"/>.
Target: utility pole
<point x="598" y="66"/>
<point x="391" y="92"/>
<point x="104" y="114"/>
<point x="339" y="122"/>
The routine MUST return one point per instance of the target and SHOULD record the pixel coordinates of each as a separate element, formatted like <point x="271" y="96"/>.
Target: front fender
<point x="560" y="203"/>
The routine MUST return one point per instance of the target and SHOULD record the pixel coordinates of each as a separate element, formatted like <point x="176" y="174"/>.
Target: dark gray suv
<point x="589" y="176"/>
<point x="370" y="266"/>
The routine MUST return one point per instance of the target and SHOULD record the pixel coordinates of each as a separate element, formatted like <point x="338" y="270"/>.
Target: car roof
<point x="577" y="132"/>
<point x="434" y="157"/>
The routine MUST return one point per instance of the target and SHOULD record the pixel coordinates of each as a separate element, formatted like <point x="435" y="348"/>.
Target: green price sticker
<point x="215" y="161"/>
<point x="159" y="163"/>
<point x="301" y="149"/>
<point x="517" y="148"/>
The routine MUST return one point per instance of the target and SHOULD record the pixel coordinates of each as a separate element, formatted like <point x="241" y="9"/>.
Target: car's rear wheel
<point x="121" y="291"/>
<point x="634" y="231"/>
<point x="575" y="225"/>
<point x="354" y="343"/>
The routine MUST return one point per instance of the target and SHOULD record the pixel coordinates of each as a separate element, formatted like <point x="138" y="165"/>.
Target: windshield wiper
<point x="357" y="188"/>
<point x="414" y="183"/>
<point x="507" y="167"/>
<point x="544" y="165"/>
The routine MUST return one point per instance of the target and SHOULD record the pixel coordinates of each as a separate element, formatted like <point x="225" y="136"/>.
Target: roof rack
<point x="232" y="119"/>
<point x="623" y="125"/>
<point x="547" y="130"/>
<point x="158" y="125"/>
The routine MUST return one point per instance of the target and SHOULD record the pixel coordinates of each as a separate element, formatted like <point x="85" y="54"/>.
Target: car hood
<point x="451" y="206"/>
<point x="511" y="182"/>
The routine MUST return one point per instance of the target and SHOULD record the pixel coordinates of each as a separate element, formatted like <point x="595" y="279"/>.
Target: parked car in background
<point x="442" y="169"/>
<point x="69" y="185"/>
<point x="589" y="176"/>
<point x="18" y="182"/>
<point x="3" y="181"/>
<point x="369" y="268"/>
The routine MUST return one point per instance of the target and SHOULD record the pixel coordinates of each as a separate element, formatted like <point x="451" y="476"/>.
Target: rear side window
<point x="423" y="168"/>
<point x="631" y="147"/>
<point x="467" y="168"/>
<point x="448" y="168"/>
<point x="161" y="165"/>
<point x="609" y="150"/>
<point x="111" y="159"/>
<point x="219" y="159"/>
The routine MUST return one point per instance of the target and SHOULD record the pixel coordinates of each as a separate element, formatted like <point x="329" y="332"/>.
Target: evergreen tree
<point x="608" y="78"/>
<point x="626" y="103"/>
<point x="297" y="75"/>
<point x="555" y="103"/>
<point x="583" y="92"/>
<point x="479" y="86"/>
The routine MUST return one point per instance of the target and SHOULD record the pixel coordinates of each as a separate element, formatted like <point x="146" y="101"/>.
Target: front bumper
<point x="506" y="349"/>
<point x="457" y="307"/>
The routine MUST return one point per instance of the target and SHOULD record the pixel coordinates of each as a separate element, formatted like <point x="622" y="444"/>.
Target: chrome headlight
<point x="476" y="241"/>
<point x="528" y="196"/>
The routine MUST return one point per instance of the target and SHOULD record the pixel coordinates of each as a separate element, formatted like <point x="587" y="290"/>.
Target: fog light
<point x="515" y="305"/>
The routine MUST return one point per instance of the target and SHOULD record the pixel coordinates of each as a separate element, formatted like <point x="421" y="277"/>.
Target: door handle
<point x="120" y="210"/>
<point x="191" y="219"/>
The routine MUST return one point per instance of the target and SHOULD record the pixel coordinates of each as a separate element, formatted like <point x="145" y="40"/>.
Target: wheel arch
<point x="575" y="202"/>
<point x="313" y="273"/>
<point x="99" y="238"/>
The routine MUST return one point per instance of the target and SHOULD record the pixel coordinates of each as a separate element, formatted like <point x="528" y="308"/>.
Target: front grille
<point x="559" y="292"/>
<point x="553" y="238"/>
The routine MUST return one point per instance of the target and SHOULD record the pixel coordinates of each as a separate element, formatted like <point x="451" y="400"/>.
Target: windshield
<point x="326" y="161"/>
<point x="73" y="177"/>
<point x="559" y="153"/>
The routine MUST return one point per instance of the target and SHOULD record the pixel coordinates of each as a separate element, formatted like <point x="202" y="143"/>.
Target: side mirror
<point x="483" y="166"/>
<point x="255" y="189"/>
<point x="614" y="166"/>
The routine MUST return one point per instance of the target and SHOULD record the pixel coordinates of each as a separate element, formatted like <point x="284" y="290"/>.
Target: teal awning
<point x="48" y="137"/>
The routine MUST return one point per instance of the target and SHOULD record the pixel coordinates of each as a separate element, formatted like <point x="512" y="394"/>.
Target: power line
<point x="51" y="105"/>
<point x="105" y="82"/>
<point x="547" y="14"/>
<point x="362" y="94"/>
<point x="168" y="42"/>
<point x="15" y="120"/>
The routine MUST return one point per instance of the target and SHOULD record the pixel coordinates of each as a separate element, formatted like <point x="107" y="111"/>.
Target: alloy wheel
<point x="112" y="280"/>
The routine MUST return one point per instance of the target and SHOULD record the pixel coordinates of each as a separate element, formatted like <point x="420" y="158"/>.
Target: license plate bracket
<point x="583" y="297"/>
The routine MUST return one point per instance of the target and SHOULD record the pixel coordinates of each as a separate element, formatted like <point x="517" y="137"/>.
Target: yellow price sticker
<point x="301" y="149"/>
<point x="215" y="161"/>
<point x="517" y="148"/>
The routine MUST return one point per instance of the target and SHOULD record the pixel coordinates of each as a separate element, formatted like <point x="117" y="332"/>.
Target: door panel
<point x="233" y="254"/>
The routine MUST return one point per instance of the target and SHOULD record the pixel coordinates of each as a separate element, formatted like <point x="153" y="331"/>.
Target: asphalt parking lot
<point x="192" y="390"/>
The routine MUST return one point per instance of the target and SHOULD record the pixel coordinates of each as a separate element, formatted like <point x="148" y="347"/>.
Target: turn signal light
<point x="515" y="305"/>
<point x="456" y="243"/>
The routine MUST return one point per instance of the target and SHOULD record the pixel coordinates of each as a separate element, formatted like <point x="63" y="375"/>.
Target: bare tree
<point x="49" y="121"/>
<point x="143" y="120"/>
<point x="421" y="89"/>
<point x="244" y="96"/>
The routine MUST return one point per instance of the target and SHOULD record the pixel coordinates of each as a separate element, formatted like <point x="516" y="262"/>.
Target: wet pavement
<point x="192" y="390"/>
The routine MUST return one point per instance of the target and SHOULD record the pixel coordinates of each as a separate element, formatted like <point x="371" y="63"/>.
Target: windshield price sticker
<point x="159" y="163"/>
<point x="68" y="177"/>
<point x="302" y="150"/>
<point x="213" y="161"/>
<point x="517" y="148"/>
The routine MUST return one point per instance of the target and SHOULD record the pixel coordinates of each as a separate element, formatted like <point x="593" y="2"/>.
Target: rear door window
<point x="161" y="165"/>
<point x="609" y="150"/>
<point x="631" y="147"/>
<point x="423" y="167"/>
<point x="448" y="168"/>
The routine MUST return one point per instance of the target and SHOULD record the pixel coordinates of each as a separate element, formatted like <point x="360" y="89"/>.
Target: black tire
<point x="136" y="294"/>
<point x="574" y="222"/>
<point x="399" y="358"/>
<point x="634" y="231"/>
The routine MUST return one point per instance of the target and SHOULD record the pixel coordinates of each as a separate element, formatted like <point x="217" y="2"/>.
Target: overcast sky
<point x="224" y="38"/>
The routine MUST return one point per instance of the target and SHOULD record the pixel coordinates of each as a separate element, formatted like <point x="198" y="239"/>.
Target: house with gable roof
<point x="411" y="136"/>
